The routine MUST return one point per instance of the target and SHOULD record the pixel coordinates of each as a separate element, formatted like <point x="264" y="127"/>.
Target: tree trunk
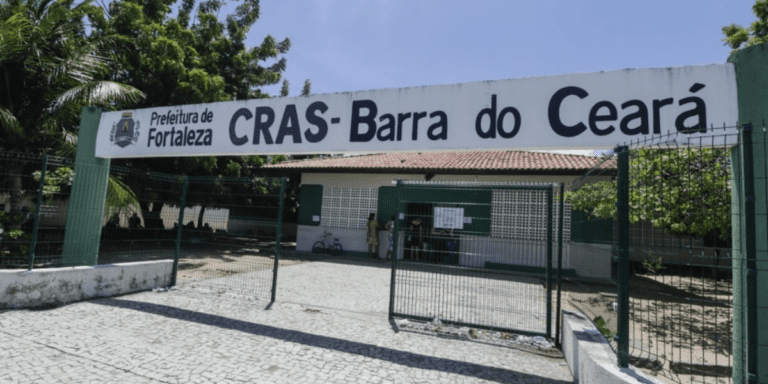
<point x="152" y="219"/>
<point x="16" y="193"/>
<point x="200" y="217"/>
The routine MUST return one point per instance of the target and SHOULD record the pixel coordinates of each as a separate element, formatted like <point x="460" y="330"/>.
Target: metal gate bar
<point x="461" y="270"/>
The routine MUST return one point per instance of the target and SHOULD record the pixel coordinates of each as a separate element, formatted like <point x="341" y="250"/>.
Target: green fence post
<point x="559" y="261"/>
<point x="395" y="239"/>
<point x="622" y="205"/>
<point x="737" y="220"/>
<point x="750" y="251"/>
<point x="36" y="225"/>
<point x="86" y="201"/>
<point x="278" y="236"/>
<point x="550" y="238"/>
<point x="179" y="230"/>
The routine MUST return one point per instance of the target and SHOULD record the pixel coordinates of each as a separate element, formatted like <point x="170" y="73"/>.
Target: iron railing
<point x="34" y="191"/>
<point x="477" y="255"/>
<point x="220" y="232"/>
<point x="668" y="213"/>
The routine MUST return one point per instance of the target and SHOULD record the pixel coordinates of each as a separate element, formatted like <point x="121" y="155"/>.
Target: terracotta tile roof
<point x="449" y="161"/>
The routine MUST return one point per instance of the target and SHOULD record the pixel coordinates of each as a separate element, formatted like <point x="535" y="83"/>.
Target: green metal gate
<point x="479" y="255"/>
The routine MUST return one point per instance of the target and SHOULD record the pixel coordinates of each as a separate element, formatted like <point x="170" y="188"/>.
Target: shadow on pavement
<point x="404" y="358"/>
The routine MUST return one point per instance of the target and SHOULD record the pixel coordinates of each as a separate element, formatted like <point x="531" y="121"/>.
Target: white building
<point x="339" y="193"/>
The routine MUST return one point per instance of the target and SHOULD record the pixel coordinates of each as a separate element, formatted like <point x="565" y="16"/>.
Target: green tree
<point x="680" y="191"/>
<point x="49" y="69"/>
<point x="737" y="36"/>
<point x="176" y="62"/>
<point x="307" y="88"/>
<point x="285" y="90"/>
<point x="192" y="57"/>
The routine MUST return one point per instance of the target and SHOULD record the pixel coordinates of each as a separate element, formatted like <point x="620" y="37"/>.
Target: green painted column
<point x="737" y="254"/>
<point x="89" y="191"/>
<point x="750" y="255"/>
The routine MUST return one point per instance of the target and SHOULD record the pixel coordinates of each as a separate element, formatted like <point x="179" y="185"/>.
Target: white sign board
<point x="591" y="110"/>
<point x="449" y="218"/>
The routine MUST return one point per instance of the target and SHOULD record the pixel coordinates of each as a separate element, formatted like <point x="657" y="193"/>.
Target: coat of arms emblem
<point x="125" y="132"/>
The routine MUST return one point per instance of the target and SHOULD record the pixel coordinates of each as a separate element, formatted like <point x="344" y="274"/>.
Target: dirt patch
<point x="681" y="326"/>
<point x="202" y="264"/>
<point x="204" y="261"/>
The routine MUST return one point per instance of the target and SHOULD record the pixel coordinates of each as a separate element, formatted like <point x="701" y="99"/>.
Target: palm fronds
<point x="51" y="70"/>
<point x="120" y="198"/>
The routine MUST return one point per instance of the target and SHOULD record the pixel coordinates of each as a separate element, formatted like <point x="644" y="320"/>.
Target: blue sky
<point x="353" y="45"/>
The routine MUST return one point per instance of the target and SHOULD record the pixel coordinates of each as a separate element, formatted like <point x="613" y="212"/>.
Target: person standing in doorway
<point x="373" y="236"/>
<point x="415" y="237"/>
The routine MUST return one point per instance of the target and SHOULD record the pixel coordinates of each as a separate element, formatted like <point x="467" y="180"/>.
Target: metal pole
<point x="750" y="253"/>
<point x="182" y="207"/>
<point x="550" y="201"/>
<point x="33" y="242"/>
<point x="622" y="204"/>
<point x="559" y="261"/>
<point x="395" y="239"/>
<point x="278" y="236"/>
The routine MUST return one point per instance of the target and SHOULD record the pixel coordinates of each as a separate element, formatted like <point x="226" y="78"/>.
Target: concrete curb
<point x="590" y="358"/>
<point x="56" y="286"/>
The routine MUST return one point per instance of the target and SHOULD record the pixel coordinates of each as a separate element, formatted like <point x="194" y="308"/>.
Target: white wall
<point x="591" y="260"/>
<point x="591" y="359"/>
<point x="56" y="286"/>
<point x="478" y="250"/>
<point x="350" y="239"/>
<point x="503" y="251"/>
<point x="475" y="250"/>
<point x="54" y="214"/>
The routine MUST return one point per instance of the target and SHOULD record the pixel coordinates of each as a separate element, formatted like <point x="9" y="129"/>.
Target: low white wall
<point x="475" y="250"/>
<point x="478" y="250"/>
<point x="588" y="260"/>
<point x="56" y="286"/>
<point x="591" y="260"/>
<point x="590" y="358"/>
<point x="350" y="239"/>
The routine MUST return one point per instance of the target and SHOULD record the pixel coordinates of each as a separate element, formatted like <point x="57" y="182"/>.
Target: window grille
<point x="348" y="207"/>
<point x="519" y="214"/>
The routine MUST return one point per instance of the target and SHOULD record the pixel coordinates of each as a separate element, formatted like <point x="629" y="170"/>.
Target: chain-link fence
<point x="141" y="216"/>
<point x="229" y="234"/>
<point x="221" y="232"/>
<point x="669" y="241"/>
<point x="592" y="246"/>
<point x="34" y="192"/>
<point x="680" y="286"/>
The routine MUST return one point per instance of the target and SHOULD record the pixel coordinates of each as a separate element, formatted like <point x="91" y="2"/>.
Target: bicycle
<point x="325" y="246"/>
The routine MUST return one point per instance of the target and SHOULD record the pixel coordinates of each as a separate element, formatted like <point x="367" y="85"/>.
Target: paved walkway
<point x="329" y="325"/>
